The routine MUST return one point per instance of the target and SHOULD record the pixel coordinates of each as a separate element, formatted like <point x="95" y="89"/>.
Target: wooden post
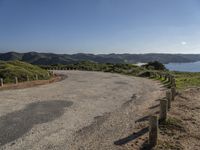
<point x="16" y="80"/>
<point x="153" y="130"/>
<point x="1" y="82"/>
<point x="173" y="90"/>
<point x="173" y="82"/>
<point x="169" y="98"/>
<point x="163" y="109"/>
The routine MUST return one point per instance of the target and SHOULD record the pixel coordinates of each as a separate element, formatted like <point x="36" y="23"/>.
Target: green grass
<point x="11" y="69"/>
<point x="185" y="80"/>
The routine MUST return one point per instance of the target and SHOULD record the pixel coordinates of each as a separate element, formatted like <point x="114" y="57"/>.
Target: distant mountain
<point x="50" y="58"/>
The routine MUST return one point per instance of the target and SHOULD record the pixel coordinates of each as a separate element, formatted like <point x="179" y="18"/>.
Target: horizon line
<point x="100" y="53"/>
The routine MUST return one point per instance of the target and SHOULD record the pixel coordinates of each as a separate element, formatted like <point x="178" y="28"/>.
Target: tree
<point x="155" y="65"/>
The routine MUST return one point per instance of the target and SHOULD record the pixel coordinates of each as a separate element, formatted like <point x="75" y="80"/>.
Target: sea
<point x="184" y="67"/>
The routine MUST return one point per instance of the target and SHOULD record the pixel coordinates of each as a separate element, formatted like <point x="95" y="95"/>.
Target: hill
<point x="50" y="58"/>
<point x="11" y="69"/>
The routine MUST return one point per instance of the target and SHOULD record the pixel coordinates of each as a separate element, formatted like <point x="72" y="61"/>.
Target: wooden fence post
<point x="172" y="79"/>
<point x="163" y="110"/>
<point x="153" y="130"/>
<point x="1" y="82"/>
<point x="173" y="84"/>
<point x="169" y="98"/>
<point x="173" y="90"/>
<point x="16" y="80"/>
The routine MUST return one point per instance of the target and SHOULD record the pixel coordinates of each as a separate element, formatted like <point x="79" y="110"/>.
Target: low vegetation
<point x="186" y="80"/>
<point x="11" y="69"/>
<point x="155" y="65"/>
<point x="128" y="69"/>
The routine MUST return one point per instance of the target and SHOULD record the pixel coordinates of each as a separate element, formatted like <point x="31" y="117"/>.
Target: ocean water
<point x="186" y="67"/>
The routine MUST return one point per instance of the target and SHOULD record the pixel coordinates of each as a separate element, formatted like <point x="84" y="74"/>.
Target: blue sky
<point x="100" y="26"/>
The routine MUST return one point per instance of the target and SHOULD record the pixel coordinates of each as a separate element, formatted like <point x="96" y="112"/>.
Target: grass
<point x="11" y="69"/>
<point x="185" y="80"/>
<point x="171" y="123"/>
<point x="170" y="128"/>
<point x="167" y="145"/>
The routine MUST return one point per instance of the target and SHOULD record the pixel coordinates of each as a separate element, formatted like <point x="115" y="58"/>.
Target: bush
<point x="11" y="69"/>
<point x="154" y="66"/>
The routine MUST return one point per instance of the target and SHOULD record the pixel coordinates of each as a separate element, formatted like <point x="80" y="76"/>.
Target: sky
<point x="100" y="26"/>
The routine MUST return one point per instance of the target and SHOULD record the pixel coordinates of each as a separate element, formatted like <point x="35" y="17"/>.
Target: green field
<point x="11" y="69"/>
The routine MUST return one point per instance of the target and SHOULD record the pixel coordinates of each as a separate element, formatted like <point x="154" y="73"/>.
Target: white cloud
<point x="183" y="43"/>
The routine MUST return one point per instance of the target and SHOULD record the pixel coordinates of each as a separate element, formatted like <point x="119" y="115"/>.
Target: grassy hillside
<point x="185" y="80"/>
<point x="11" y="69"/>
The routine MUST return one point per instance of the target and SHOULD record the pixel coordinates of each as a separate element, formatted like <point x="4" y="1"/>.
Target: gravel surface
<point x="87" y="110"/>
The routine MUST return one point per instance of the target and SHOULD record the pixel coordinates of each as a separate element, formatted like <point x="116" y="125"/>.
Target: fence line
<point x="165" y="105"/>
<point x="27" y="78"/>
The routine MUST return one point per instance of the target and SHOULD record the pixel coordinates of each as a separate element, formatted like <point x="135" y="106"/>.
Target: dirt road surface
<point x="87" y="110"/>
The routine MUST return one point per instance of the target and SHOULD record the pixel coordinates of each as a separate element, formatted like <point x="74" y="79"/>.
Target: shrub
<point x="155" y="65"/>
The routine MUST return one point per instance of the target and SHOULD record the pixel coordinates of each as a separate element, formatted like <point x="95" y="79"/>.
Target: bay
<point x="184" y="67"/>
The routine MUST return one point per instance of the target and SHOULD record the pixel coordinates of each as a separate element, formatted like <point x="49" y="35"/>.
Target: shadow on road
<point x="16" y="124"/>
<point x="131" y="137"/>
<point x="145" y="118"/>
<point x="155" y="106"/>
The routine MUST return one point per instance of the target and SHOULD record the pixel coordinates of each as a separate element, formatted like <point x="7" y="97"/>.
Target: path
<point x="87" y="110"/>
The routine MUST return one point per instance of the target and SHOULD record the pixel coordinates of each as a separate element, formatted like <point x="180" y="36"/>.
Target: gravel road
<point x="87" y="110"/>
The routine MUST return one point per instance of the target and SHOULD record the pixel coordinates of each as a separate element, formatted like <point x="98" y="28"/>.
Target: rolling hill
<point x="11" y="69"/>
<point x="50" y="58"/>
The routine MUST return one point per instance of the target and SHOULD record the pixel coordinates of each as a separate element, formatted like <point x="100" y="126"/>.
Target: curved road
<point x="87" y="110"/>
